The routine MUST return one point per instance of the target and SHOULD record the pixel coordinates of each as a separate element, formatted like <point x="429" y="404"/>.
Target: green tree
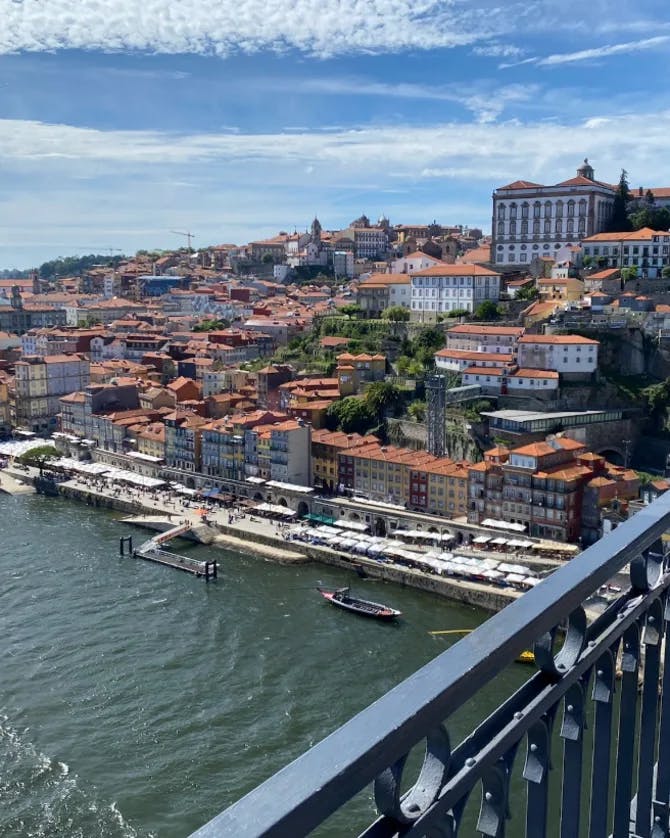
<point x="458" y="312"/>
<point x="351" y="310"/>
<point x="629" y="273"/>
<point x="619" y="222"/>
<point x="382" y="397"/>
<point x="402" y="364"/>
<point x="396" y="314"/>
<point x="351" y="415"/>
<point x="527" y="292"/>
<point x="417" y="410"/>
<point x="658" y="218"/>
<point x="665" y="273"/>
<point x="39" y="456"/>
<point x="487" y="310"/>
<point x="267" y="259"/>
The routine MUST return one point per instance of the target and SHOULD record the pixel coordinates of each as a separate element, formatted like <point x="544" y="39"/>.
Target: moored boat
<point x="341" y="598"/>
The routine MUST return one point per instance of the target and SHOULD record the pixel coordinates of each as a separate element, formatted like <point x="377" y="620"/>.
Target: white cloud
<point x="593" y="53"/>
<point x="199" y="26"/>
<point x="68" y="186"/>
<point x="482" y="99"/>
<point x="499" y="51"/>
<point x="520" y="149"/>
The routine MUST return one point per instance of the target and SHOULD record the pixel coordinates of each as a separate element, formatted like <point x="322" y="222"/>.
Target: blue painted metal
<point x="373" y="745"/>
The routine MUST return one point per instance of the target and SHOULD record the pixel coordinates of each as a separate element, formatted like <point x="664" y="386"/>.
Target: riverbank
<point x="246" y="533"/>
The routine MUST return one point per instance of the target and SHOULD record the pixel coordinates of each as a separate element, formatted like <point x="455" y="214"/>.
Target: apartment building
<point x="541" y="486"/>
<point x="381" y="291"/>
<point x="326" y="446"/>
<point x="570" y="355"/>
<point x="646" y="249"/>
<point x="225" y="441"/>
<point x="183" y="440"/>
<point x="489" y="339"/>
<point x="445" y="288"/>
<point x="415" y="479"/>
<point x="39" y="384"/>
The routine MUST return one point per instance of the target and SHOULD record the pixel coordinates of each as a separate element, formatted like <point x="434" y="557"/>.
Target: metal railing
<point x="628" y="749"/>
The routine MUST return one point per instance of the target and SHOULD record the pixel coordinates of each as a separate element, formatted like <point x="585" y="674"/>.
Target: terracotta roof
<point x="465" y="355"/>
<point x="558" y="339"/>
<point x="456" y="270"/>
<point x="483" y="371"/>
<point x="521" y="184"/>
<point x="528" y="373"/>
<point x="644" y="234"/>
<point x="468" y="329"/>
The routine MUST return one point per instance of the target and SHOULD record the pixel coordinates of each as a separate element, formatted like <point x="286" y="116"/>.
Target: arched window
<point x="501" y="228"/>
<point x="559" y="227"/>
<point x="524" y="210"/>
<point x="536" y="228"/>
<point x="582" y="225"/>
<point x="559" y="209"/>
<point x="571" y="209"/>
<point x="582" y="206"/>
<point x="536" y="209"/>
<point x="524" y="228"/>
<point x="512" y="228"/>
<point x="547" y="225"/>
<point x="547" y="209"/>
<point x="501" y="212"/>
<point x="512" y="210"/>
<point x="570" y="226"/>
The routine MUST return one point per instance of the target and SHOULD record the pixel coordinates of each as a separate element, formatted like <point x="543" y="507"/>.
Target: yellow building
<point x="151" y="440"/>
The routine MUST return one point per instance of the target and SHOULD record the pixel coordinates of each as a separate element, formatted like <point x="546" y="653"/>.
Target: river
<point x="139" y="701"/>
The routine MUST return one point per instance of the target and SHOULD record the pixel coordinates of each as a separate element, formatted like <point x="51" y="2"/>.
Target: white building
<point x="444" y="288"/>
<point x="413" y="262"/>
<point x="473" y="338"/>
<point x="646" y="249"/>
<point x="457" y="360"/>
<point x="532" y="220"/>
<point x="496" y="380"/>
<point x="565" y="354"/>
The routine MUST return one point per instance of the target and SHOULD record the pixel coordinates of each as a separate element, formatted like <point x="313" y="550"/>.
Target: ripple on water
<point x="165" y="698"/>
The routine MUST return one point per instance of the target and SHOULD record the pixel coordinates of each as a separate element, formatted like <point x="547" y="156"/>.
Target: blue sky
<point x="121" y="121"/>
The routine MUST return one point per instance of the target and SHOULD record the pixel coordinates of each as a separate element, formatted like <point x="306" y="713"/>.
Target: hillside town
<point x="517" y="380"/>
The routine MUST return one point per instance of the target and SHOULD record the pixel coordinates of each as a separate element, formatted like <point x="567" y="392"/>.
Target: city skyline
<point x="116" y="130"/>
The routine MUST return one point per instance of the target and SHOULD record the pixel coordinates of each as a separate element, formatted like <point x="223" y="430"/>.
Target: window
<point x="559" y="209"/>
<point x="501" y="211"/>
<point x="501" y="228"/>
<point x="524" y="210"/>
<point x="524" y="228"/>
<point x="512" y="210"/>
<point x="547" y="209"/>
<point x="512" y="228"/>
<point x="571" y="209"/>
<point x="547" y="225"/>
<point x="536" y="209"/>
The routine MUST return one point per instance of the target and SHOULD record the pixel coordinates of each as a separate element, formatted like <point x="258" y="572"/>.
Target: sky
<point x="122" y="121"/>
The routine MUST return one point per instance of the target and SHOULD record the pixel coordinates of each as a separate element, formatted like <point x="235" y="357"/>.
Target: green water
<point x="136" y="700"/>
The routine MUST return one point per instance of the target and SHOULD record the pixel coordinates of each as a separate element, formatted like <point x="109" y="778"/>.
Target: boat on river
<point x="341" y="598"/>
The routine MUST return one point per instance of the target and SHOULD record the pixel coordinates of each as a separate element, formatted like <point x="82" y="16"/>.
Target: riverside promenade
<point x="240" y="530"/>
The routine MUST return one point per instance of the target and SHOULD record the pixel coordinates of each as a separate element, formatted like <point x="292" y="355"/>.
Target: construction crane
<point x="188" y="235"/>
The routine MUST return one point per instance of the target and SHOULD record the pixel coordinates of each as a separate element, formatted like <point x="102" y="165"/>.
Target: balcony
<point x="609" y="783"/>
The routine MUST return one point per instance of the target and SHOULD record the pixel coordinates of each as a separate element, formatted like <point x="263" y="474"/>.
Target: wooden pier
<point x="152" y="551"/>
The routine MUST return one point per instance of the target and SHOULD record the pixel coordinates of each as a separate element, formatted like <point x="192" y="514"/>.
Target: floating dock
<point x="152" y="551"/>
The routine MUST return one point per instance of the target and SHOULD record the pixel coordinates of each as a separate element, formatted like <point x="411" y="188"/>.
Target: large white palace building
<point x="531" y="220"/>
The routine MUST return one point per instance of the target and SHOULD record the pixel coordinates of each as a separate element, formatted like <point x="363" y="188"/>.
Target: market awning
<point x="211" y="493"/>
<point x="321" y="519"/>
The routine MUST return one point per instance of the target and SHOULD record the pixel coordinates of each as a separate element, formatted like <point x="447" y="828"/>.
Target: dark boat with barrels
<point x="341" y="598"/>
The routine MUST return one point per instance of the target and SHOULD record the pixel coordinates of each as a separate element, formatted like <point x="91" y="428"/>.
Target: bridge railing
<point x="628" y="749"/>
